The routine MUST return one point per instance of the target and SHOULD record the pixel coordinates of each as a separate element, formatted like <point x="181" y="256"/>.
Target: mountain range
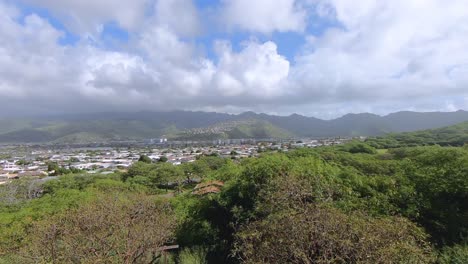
<point x="187" y="125"/>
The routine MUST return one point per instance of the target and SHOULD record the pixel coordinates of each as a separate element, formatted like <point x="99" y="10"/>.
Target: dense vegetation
<point x="456" y="135"/>
<point x="342" y="204"/>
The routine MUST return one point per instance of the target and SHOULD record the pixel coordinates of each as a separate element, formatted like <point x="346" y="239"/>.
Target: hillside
<point x="456" y="135"/>
<point x="186" y="125"/>
<point x="248" y="128"/>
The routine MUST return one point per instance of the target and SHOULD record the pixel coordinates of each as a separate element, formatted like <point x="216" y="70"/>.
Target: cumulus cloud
<point x="167" y="74"/>
<point x="264" y="16"/>
<point x="88" y="16"/>
<point x="181" y="16"/>
<point x="387" y="50"/>
<point x="257" y="70"/>
<point x="26" y="50"/>
<point x="376" y="56"/>
<point x="39" y="75"/>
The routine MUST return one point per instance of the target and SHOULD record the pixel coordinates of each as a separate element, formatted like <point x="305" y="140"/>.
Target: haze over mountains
<point x="186" y="125"/>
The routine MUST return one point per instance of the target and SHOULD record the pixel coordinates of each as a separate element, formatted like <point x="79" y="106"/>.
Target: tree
<point x="166" y="174"/>
<point x="440" y="179"/>
<point x="55" y="170"/>
<point x="326" y="235"/>
<point x="213" y="162"/>
<point x="295" y="222"/>
<point x="145" y="159"/>
<point x="52" y="166"/>
<point x="74" y="159"/>
<point x="163" y="159"/>
<point x="111" y="229"/>
<point x="358" y="147"/>
<point x="158" y="174"/>
<point x="138" y="169"/>
<point x="195" y="169"/>
<point x="23" y="162"/>
<point x="19" y="191"/>
<point x="457" y="254"/>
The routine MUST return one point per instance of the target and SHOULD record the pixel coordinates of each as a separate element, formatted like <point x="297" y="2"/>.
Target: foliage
<point x="77" y="182"/>
<point x="16" y="222"/>
<point x="23" y="162"/>
<point x="358" y="147"/>
<point x="440" y="178"/>
<point x="131" y="229"/>
<point x="54" y="169"/>
<point x="336" y="204"/>
<point x="145" y="159"/>
<point x="196" y="255"/>
<point x="457" y="254"/>
<point x="154" y="175"/>
<point x="19" y="191"/>
<point x="456" y="135"/>
<point x="196" y="169"/>
<point x="326" y="235"/>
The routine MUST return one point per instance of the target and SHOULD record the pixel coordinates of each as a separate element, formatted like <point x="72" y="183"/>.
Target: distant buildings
<point x="33" y="162"/>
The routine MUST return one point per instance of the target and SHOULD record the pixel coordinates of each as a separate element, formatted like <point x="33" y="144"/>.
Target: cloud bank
<point x="374" y="56"/>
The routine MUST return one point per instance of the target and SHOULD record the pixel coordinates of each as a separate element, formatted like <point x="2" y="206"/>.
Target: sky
<point x="321" y="58"/>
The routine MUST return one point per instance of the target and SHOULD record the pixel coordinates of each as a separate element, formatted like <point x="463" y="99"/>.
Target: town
<point x="18" y="161"/>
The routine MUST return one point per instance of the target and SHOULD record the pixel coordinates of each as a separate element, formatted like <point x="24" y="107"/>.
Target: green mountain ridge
<point x="248" y="128"/>
<point x="104" y="127"/>
<point x="456" y="135"/>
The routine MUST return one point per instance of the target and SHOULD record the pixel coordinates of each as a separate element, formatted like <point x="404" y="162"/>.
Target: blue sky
<point x="112" y="35"/>
<point x="26" y="10"/>
<point x="315" y="57"/>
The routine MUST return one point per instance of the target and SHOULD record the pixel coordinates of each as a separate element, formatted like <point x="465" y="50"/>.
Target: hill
<point x="248" y="128"/>
<point x="456" y="135"/>
<point x="187" y="125"/>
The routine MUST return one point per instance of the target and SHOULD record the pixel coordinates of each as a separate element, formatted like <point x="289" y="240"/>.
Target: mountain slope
<point x="248" y="128"/>
<point x="411" y="121"/>
<point x="100" y="127"/>
<point x="456" y="135"/>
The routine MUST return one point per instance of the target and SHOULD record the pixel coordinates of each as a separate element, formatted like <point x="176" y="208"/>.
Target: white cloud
<point x="41" y="75"/>
<point x="258" y="70"/>
<point x="264" y="16"/>
<point x="388" y="49"/>
<point x="384" y="56"/>
<point x="28" y="52"/>
<point x="88" y="16"/>
<point x="37" y="71"/>
<point x="181" y="16"/>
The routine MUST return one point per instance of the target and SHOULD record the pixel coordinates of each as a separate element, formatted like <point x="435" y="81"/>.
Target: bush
<point x="111" y="229"/>
<point x="359" y="147"/>
<point x="325" y="235"/>
<point x="196" y="255"/>
<point x="457" y="254"/>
